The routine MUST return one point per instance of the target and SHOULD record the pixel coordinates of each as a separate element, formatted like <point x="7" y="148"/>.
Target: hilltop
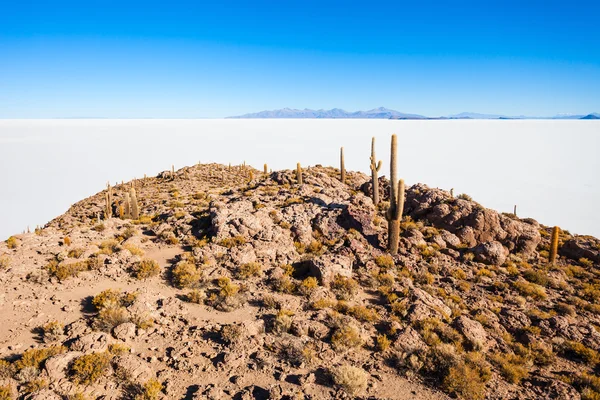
<point x="236" y="283"/>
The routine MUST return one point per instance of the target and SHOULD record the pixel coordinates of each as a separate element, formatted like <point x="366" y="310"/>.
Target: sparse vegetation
<point x="90" y="368"/>
<point x="351" y="379"/>
<point x="249" y="270"/>
<point x="344" y="288"/>
<point x="346" y="337"/>
<point x="12" y="242"/>
<point x="52" y="331"/>
<point x="186" y="275"/>
<point x="145" y="269"/>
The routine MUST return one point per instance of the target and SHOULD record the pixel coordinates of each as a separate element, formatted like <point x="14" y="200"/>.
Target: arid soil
<point x="232" y="283"/>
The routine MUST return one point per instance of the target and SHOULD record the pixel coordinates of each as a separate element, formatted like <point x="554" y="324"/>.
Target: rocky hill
<point x="232" y="283"/>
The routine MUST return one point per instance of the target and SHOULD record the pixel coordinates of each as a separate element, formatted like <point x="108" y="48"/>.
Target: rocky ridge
<point x="239" y="284"/>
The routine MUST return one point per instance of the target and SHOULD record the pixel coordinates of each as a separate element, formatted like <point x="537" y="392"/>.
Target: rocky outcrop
<point x="581" y="247"/>
<point x="469" y="221"/>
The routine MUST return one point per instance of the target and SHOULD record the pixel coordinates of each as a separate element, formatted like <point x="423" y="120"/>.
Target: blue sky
<point x="213" y="59"/>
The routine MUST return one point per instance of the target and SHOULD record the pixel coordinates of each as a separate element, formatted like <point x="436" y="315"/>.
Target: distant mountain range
<point x="386" y="113"/>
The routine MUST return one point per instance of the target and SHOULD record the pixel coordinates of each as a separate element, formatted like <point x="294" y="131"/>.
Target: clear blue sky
<point x="213" y="59"/>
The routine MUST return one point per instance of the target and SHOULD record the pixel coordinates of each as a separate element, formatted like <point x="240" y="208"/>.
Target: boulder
<point x="132" y="368"/>
<point x="44" y="394"/>
<point x="473" y="331"/>
<point x="92" y="342"/>
<point x="409" y="341"/>
<point x="327" y="266"/>
<point x="125" y="331"/>
<point x="426" y="306"/>
<point x="57" y="366"/>
<point x="492" y="253"/>
<point x="513" y="319"/>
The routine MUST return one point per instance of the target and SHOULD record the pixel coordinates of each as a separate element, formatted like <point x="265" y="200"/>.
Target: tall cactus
<point x="134" y="209"/>
<point x="553" y="245"/>
<point x="126" y="206"/>
<point x="265" y="169"/>
<point x="299" y="173"/>
<point x="375" y="167"/>
<point x="108" y="199"/>
<point x="342" y="167"/>
<point x="394" y="212"/>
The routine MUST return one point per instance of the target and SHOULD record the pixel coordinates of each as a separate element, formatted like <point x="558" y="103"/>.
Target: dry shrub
<point x="111" y="317"/>
<point x="12" y="242"/>
<point x="385" y="261"/>
<point x="308" y="285"/>
<point x="284" y="284"/>
<point x="363" y="313"/>
<point x="283" y="321"/>
<point x="76" y="253"/>
<point x="513" y="367"/>
<point x="228" y="297"/>
<point x="4" y="262"/>
<point x="145" y="269"/>
<point x="34" y="385"/>
<point x="532" y="290"/>
<point x="6" y="369"/>
<point x="134" y="250"/>
<point x="150" y="390"/>
<point x="580" y="352"/>
<point x="35" y="357"/>
<point x="588" y="385"/>
<point x="232" y="334"/>
<point x="233" y="241"/>
<point x="464" y="381"/>
<point x="350" y="379"/>
<point x="344" y="288"/>
<point x="117" y="349"/>
<point x="248" y="270"/>
<point x="346" y="337"/>
<point x="52" y="331"/>
<point x="111" y="305"/>
<point x="196" y="296"/>
<point x="186" y="275"/>
<point x="89" y="368"/>
<point x="62" y="271"/>
<point x="109" y="247"/>
<point x="270" y="302"/>
<point x="6" y="393"/>
<point x="382" y="343"/>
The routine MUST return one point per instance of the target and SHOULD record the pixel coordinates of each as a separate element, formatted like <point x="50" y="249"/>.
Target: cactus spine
<point x="299" y="173"/>
<point x="394" y="212"/>
<point x="135" y="211"/>
<point x="342" y="168"/>
<point x="375" y="167"/>
<point x="553" y="245"/>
